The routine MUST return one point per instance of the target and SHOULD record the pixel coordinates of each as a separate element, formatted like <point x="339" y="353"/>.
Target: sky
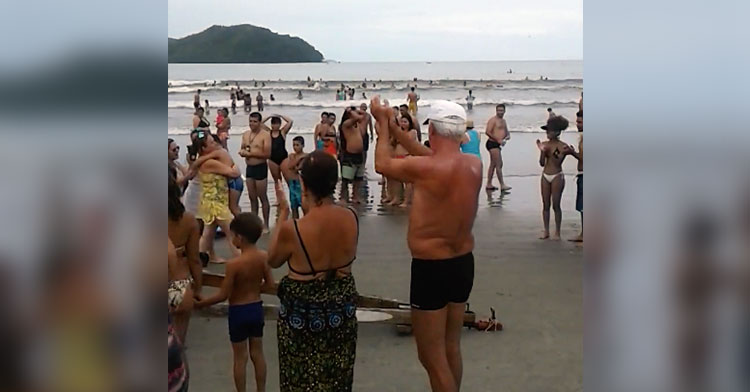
<point x="404" y="30"/>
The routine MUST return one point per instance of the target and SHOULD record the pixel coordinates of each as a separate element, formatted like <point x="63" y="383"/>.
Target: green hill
<point x="241" y="44"/>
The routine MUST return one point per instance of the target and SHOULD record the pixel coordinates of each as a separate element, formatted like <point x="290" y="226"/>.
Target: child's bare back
<point x="248" y="273"/>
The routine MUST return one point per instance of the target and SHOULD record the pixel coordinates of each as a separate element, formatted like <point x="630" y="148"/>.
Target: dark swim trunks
<point x="245" y="321"/>
<point x="435" y="283"/>
<point x="257" y="172"/>
<point x="491" y="144"/>
<point x="579" y="193"/>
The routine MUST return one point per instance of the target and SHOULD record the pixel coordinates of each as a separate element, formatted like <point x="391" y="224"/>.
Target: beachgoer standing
<point x="197" y="99"/>
<point x="497" y="131"/>
<point x="412" y="97"/>
<point x="199" y="121"/>
<point x="245" y="278"/>
<point x="290" y="169"/>
<point x="439" y="234"/>
<point x="299" y="94"/>
<point x="248" y="101"/>
<point x="551" y="156"/>
<point x="471" y="141"/>
<point x="320" y="130"/>
<point x="365" y="126"/>
<point x="469" y="101"/>
<point x="186" y="274"/>
<point x="317" y="324"/>
<point x="278" y="143"/>
<point x="352" y="150"/>
<point x="259" y="99"/>
<point x="579" y="176"/>
<point x="213" y="208"/>
<point x="256" y="149"/>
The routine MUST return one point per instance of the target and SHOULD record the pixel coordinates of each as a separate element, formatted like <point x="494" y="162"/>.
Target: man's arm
<point x="224" y="292"/>
<point x="506" y="135"/>
<point x="404" y="170"/>
<point x="490" y="129"/>
<point x="278" y="249"/>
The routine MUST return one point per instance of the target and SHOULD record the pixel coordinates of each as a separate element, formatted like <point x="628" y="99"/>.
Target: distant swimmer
<point x="234" y="102"/>
<point x="469" y="101"/>
<point x="464" y="83"/>
<point x="373" y="85"/>
<point x="256" y="84"/>
<point x="299" y="94"/>
<point x="412" y="97"/>
<point x="510" y="70"/>
<point x="272" y="98"/>
<point x="338" y="95"/>
<point x="363" y="95"/>
<point x="263" y="84"/>
<point x="197" y="99"/>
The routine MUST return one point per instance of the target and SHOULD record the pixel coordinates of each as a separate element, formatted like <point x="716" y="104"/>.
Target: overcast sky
<point x="404" y="30"/>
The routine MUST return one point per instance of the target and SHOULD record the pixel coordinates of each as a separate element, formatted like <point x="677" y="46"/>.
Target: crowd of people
<point x="316" y="233"/>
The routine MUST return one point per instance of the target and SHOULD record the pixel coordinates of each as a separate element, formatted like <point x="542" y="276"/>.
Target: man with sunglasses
<point x="176" y="170"/>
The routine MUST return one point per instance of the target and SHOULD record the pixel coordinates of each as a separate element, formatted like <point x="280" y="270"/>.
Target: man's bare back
<point x="445" y="234"/>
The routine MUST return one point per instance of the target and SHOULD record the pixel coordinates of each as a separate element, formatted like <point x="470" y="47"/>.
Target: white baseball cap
<point x="446" y="111"/>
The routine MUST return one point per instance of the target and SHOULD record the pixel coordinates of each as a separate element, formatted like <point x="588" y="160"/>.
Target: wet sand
<point x="535" y="287"/>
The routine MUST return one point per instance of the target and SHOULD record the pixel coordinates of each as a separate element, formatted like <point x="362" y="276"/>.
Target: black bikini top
<point x="304" y="249"/>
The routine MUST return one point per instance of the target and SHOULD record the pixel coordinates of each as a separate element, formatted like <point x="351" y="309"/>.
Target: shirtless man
<point x="352" y="149"/>
<point x="256" y="149"/>
<point x="579" y="177"/>
<point x="441" y="244"/>
<point x="197" y="99"/>
<point x="413" y="98"/>
<point x="365" y="126"/>
<point x="497" y="131"/>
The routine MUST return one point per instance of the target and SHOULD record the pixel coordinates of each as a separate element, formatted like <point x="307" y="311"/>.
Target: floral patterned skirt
<point x="317" y="334"/>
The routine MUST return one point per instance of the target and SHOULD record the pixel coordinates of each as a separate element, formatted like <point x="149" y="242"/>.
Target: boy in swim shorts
<point x="246" y="277"/>
<point x="290" y="170"/>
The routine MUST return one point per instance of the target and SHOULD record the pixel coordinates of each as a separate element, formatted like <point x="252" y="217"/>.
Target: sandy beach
<point x="535" y="287"/>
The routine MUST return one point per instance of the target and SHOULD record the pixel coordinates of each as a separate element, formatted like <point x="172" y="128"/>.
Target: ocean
<point x="490" y="82"/>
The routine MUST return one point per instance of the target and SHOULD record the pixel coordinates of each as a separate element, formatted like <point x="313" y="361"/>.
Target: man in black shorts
<point x="256" y="149"/>
<point x="441" y="244"/>
<point x="497" y="133"/>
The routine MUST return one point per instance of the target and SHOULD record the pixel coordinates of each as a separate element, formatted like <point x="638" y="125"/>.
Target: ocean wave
<point x="359" y="90"/>
<point x="343" y="104"/>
